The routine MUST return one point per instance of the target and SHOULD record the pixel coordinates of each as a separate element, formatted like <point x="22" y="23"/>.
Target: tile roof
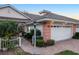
<point x="52" y="16"/>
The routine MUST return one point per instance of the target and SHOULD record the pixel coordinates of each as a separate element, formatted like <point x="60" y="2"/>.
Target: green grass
<point x="67" y="52"/>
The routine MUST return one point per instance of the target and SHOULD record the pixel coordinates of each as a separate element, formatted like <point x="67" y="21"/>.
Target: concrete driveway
<point x="71" y="44"/>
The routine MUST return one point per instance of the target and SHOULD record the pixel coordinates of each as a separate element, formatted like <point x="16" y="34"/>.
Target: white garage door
<point x="77" y="29"/>
<point x="61" y="33"/>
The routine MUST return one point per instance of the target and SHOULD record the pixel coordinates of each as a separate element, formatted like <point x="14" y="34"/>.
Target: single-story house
<point x="52" y="26"/>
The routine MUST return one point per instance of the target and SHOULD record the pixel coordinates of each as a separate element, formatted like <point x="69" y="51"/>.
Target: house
<point x="52" y="26"/>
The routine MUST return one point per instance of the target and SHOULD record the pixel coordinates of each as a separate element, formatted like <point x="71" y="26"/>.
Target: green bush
<point x="16" y="42"/>
<point x="28" y="36"/>
<point x="39" y="43"/>
<point x="39" y="37"/>
<point x="8" y="44"/>
<point x="24" y="34"/>
<point x="50" y="42"/>
<point x="76" y="36"/>
<point x="38" y="32"/>
<point x="8" y="28"/>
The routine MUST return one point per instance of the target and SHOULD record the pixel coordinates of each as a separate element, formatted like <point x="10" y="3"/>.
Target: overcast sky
<point x="70" y="10"/>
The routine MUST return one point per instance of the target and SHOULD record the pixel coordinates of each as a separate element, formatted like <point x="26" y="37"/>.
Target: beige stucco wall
<point x="8" y="12"/>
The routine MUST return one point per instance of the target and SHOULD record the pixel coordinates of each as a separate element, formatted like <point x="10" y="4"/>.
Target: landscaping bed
<point x="39" y="39"/>
<point x="16" y="51"/>
<point x="67" y="52"/>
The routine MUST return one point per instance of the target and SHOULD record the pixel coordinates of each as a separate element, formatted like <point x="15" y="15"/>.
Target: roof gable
<point x="9" y="11"/>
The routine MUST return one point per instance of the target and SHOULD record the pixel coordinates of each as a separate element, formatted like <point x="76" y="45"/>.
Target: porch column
<point x="25" y="28"/>
<point x="47" y="30"/>
<point x="74" y="28"/>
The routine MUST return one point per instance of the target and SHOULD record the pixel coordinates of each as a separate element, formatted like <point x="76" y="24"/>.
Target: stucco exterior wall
<point x="8" y="12"/>
<point x="47" y="30"/>
<point x="74" y="27"/>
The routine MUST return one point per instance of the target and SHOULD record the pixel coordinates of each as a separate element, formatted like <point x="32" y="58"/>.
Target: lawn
<point x="67" y="52"/>
<point x="17" y="51"/>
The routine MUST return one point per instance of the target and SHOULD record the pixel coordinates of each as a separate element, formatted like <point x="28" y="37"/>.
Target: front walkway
<point x="71" y="44"/>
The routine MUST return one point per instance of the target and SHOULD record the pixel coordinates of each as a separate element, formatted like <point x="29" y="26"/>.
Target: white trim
<point x="53" y="20"/>
<point x="20" y="41"/>
<point x="0" y="43"/>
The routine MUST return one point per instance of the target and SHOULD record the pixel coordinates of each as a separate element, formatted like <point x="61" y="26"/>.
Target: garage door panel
<point x="68" y="32"/>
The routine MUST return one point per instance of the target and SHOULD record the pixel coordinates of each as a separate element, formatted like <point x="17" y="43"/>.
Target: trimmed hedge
<point x="50" y="42"/>
<point x="40" y="43"/>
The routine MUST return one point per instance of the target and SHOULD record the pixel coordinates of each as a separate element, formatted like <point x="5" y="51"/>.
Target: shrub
<point x="39" y="43"/>
<point x="8" y="28"/>
<point x="16" y="42"/>
<point x="23" y="34"/>
<point x="8" y="44"/>
<point x="50" y="42"/>
<point x="38" y="32"/>
<point x="11" y="45"/>
<point x="28" y="36"/>
<point x="31" y="33"/>
<point x="39" y="37"/>
<point x="76" y="36"/>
